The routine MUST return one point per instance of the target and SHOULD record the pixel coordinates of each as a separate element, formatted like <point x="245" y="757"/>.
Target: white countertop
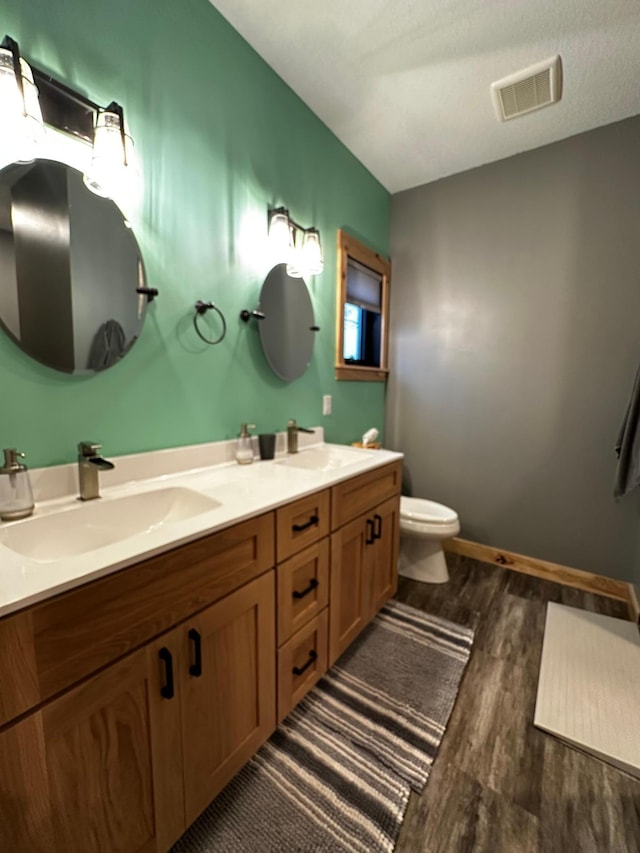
<point x="241" y="491"/>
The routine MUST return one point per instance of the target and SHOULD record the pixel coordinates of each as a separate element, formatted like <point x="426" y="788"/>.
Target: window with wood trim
<point x="362" y="311"/>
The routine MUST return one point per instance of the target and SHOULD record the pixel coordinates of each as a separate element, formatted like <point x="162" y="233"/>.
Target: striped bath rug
<point x="391" y="693"/>
<point x="336" y="775"/>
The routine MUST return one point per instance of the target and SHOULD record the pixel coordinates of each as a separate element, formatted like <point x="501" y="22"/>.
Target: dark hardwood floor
<point x="499" y="784"/>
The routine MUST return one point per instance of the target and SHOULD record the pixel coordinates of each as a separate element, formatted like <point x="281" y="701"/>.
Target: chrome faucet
<point x="89" y="463"/>
<point x="292" y="435"/>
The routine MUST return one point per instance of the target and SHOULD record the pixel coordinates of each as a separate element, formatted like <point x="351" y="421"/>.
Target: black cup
<point x="267" y="445"/>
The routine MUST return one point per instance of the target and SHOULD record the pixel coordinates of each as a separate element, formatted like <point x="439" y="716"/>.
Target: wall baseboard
<point x="541" y="569"/>
<point x="634" y="605"/>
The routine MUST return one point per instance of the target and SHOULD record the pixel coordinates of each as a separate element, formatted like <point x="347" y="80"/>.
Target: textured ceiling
<point x="406" y="84"/>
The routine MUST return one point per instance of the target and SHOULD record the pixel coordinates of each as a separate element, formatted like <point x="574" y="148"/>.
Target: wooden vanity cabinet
<point x="351" y="560"/>
<point x="124" y="762"/>
<point x="127" y="704"/>
<point x="227" y="689"/>
<point x="103" y="758"/>
<point x="363" y="575"/>
<point x="82" y="773"/>
<point x="364" y="552"/>
<point x="302" y="546"/>
<point x="382" y="581"/>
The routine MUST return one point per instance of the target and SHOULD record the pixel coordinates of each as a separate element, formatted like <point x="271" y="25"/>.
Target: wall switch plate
<point x="326" y="404"/>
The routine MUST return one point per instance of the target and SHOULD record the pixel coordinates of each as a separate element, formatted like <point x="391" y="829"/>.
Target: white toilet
<point x="423" y="526"/>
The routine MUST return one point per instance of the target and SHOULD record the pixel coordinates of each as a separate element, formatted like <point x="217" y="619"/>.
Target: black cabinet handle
<point x="166" y="691"/>
<point x="377" y="533"/>
<point x="196" y="666"/>
<point x="298" y="527"/>
<point x="370" y="534"/>
<point x="313" y="655"/>
<point x="313" y="583"/>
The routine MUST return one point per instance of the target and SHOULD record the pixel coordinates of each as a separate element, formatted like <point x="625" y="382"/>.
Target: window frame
<point x="349" y="247"/>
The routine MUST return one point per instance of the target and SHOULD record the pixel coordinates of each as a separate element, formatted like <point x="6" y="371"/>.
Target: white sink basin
<point x="93" y="525"/>
<point x="322" y="458"/>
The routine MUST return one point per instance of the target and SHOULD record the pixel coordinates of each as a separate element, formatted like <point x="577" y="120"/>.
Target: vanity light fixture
<point x="312" y="251"/>
<point x="30" y="98"/>
<point x="280" y="232"/>
<point x="300" y="248"/>
<point x="110" y="160"/>
<point x="20" y="114"/>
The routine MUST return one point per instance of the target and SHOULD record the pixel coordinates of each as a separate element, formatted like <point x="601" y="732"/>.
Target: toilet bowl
<point x="423" y="526"/>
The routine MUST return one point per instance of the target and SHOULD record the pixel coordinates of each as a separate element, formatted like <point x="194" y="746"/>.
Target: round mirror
<point x="288" y="327"/>
<point x="69" y="269"/>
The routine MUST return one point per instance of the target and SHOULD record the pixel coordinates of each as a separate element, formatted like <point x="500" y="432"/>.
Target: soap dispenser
<point x="16" y="497"/>
<point x="244" y="450"/>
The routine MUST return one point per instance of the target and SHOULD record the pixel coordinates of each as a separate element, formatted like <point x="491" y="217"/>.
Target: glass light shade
<point x="21" y="121"/>
<point x="312" y="252"/>
<point x="295" y="265"/>
<point x="280" y="235"/>
<point x="111" y="163"/>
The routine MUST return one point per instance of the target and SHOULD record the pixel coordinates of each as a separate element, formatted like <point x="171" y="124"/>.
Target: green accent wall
<point x="219" y="138"/>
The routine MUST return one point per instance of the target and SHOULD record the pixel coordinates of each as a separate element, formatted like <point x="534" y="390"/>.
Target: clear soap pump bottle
<point x="16" y="497"/>
<point x="244" y="450"/>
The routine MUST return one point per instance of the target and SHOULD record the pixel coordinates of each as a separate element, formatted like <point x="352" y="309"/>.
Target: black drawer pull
<point x="196" y="666"/>
<point x="166" y="691"/>
<point x="298" y="527"/>
<point x="313" y="583"/>
<point x="313" y="655"/>
<point x="377" y="533"/>
<point x="370" y="538"/>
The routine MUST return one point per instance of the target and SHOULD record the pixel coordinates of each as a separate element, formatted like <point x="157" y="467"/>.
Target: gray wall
<point x="515" y="337"/>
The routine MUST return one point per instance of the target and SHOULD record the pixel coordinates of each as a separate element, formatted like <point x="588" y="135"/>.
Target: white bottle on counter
<point x="16" y="496"/>
<point x="244" y="450"/>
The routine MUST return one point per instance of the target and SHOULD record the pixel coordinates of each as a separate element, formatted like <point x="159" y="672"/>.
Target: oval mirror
<point x="287" y="330"/>
<point x="69" y="269"/>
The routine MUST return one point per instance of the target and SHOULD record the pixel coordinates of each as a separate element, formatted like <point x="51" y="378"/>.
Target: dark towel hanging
<point x="108" y="345"/>
<point x="628" y="445"/>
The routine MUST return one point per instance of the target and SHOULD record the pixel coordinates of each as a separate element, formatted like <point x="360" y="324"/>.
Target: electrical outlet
<point x="326" y="404"/>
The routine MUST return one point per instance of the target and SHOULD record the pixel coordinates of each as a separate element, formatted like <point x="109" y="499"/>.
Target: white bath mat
<point x="589" y="684"/>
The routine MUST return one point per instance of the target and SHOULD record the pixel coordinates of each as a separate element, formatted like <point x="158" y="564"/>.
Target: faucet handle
<point x="89" y="448"/>
<point x="292" y="425"/>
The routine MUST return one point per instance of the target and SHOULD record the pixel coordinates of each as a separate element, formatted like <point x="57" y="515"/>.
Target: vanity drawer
<point x="301" y="523"/>
<point x="351" y="498"/>
<point x="78" y="632"/>
<point x="303" y="588"/>
<point x="302" y="661"/>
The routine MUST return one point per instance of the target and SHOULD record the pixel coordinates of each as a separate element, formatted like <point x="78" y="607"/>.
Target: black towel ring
<point x="201" y="309"/>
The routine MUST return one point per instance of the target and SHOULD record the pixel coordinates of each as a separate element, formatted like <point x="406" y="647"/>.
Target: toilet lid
<point x="418" y="509"/>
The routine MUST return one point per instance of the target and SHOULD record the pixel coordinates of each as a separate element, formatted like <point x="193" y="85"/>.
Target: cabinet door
<point x="81" y="773"/>
<point x="383" y="580"/>
<point x="25" y="806"/>
<point x="351" y="555"/>
<point x="102" y="741"/>
<point x="228" y="688"/>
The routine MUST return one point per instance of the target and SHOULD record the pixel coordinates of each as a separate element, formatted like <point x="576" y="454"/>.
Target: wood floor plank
<point x="595" y="603"/>
<point x="514" y="631"/>
<point x="462" y="816"/>
<point x="500" y="749"/>
<point x="498" y="783"/>
<point x="587" y="804"/>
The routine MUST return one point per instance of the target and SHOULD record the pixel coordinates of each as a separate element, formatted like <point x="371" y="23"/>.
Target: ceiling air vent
<point x="530" y="89"/>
